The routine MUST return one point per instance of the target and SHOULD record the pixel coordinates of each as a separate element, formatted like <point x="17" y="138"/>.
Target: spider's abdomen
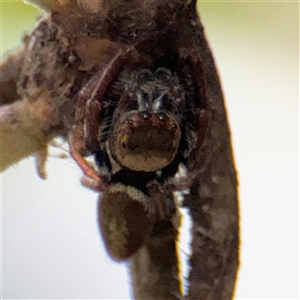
<point x="124" y="219"/>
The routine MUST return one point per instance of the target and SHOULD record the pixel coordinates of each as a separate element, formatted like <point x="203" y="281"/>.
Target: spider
<point x="140" y="125"/>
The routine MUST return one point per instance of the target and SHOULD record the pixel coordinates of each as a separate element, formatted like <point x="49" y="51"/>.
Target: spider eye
<point x="162" y="116"/>
<point x="145" y="115"/>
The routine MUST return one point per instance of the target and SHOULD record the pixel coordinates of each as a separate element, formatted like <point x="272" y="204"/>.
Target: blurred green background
<point x="50" y="241"/>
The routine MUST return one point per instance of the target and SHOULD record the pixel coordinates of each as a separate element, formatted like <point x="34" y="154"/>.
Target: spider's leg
<point x="88" y="170"/>
<point x="197" y="157"/>
<point x="103" y="162"/>
<point x="162" y="203"/>
<point x="195" y="160"/>
<point x="87" y="116"/>
<point x="85" y="134"/>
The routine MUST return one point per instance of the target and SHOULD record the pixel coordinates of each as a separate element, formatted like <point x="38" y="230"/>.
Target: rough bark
<point x="213" y="200"/>
<point x="154" y="268"/>
<point x="39" y="87"/>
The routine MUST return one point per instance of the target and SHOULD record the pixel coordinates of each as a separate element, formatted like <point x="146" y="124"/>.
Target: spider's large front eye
<point x="145" y="141"/>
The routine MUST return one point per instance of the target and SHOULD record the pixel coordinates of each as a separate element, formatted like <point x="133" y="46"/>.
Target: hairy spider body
<point x="148" y="129"/>
<point x="145" y="133"/>
<point x="139" y="124"/>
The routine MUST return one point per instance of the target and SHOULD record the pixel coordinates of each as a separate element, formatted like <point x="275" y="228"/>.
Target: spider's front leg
<point x="92" y="179"/>
<point x="86" y="131"/>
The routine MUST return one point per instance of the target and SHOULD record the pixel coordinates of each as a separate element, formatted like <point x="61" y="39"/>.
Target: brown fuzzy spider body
<point x="143" y="126"/>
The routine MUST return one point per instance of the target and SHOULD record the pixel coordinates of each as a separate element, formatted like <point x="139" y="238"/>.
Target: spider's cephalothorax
<point x="152" y="124"/>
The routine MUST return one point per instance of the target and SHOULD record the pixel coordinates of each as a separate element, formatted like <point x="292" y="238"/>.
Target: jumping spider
<point x="139" y="125"/>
